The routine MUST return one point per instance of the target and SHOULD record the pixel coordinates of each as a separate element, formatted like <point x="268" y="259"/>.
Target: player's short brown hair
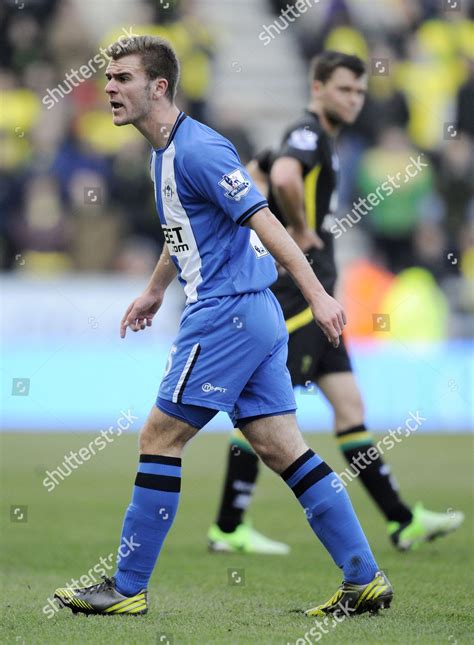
<point x="158" y="58"/>
<point x="324" y="65"/>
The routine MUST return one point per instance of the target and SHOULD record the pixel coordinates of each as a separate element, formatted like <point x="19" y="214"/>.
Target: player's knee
<point x="162" y="434"/>
<point x="160" y="440"/>
<point x="278" y="458"/>
<point x="266" y="454"/>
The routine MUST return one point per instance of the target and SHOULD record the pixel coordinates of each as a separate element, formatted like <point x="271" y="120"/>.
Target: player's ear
<point x="316" y="88"/>
<point x="159" y="87"/>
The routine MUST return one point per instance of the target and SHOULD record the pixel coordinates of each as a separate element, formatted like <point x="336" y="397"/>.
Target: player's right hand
<point x="330" y="316"/>
<point x="139" y="314"/>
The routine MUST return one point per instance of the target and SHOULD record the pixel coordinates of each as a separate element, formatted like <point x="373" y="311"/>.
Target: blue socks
<point x="147" y="521"/>
<point x="331" y="516"/>
<point x="318" y="489"/>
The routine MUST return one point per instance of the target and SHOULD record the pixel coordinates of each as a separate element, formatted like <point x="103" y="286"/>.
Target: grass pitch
<point x="194" y="598"/>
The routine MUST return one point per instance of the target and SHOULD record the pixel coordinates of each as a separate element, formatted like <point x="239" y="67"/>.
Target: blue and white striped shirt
<point x="203" y="197"/>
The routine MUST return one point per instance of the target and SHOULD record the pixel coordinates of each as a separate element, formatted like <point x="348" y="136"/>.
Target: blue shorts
<point x="230" y="354"/>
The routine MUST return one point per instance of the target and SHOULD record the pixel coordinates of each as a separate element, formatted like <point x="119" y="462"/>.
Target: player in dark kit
<point x="301" y="181"/>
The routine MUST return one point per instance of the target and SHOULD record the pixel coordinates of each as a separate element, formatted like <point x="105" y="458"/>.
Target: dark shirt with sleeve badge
<point x="306" y="141"/>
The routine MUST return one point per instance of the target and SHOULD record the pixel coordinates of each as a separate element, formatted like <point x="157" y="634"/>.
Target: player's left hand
<point x="330" y="316"/>
<point x="139" y="314"/>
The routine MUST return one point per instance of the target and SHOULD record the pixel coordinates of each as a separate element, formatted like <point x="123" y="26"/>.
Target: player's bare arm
<point x="327" y="312"/>
<point x="141" y="311"/>
<point x="288" y="186"/>
<point x="260" y="178"/>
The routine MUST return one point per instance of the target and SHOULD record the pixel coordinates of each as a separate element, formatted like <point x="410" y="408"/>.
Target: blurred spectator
<point x="98" y="228"/>
<point x="456" y="182"/>
<point x="394" y="220"/>
<point x="10" y="204"/>
<point x="74" y="156"/>
<point x="430" y="248"/>
<point x="230" y="126"/>
<point x="430" y="77"/>
<point x="385" y="107"/>
<point x="132" y="190"/>
<point x="41" y="230"/>
<point x="465" y="104"/>
<point x="25" y="25"/>
<point x="138" y="256"/>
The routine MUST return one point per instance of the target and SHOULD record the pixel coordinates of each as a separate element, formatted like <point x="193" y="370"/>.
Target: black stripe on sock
<point x="188" y="374"/>
<point x="353" y="430"/>
<point x="158" y="482"/>
<point x="160" y="459"/>
<point x="286" y="474"/>
<point x="315" y="475"/>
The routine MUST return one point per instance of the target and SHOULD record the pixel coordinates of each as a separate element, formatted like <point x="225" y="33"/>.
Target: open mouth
<point x="116" y="105"/>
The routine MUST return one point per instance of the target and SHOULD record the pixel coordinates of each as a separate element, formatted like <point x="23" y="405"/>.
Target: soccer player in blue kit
<point x="231" y="349"/>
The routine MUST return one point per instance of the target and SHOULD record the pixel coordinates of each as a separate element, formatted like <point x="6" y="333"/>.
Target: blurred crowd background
<point x="75" y="192"/>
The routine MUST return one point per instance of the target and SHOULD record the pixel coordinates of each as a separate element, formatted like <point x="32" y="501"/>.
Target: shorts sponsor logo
<point x="208" y="387"/>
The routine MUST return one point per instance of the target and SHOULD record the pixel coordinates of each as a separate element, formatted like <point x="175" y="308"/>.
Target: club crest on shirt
<point x="168" y="190"/>
<point x="235" y="185"/>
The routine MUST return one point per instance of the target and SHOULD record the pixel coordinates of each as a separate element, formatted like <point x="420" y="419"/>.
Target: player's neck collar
<point x="177" y="123"/>
<point x="313" y="114"/>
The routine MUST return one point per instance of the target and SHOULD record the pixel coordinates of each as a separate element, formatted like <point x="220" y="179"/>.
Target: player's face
<point x="342" y="96"/>
<point x="129" y="90"/>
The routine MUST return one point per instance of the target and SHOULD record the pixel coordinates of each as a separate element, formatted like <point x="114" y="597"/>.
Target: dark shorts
<point x="311" y="356"/>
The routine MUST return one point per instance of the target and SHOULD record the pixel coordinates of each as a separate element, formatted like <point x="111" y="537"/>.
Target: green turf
<point x="68" y="529"/>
